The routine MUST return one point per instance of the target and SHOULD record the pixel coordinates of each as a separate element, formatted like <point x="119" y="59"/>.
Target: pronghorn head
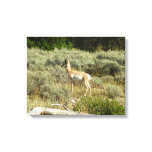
<point x="66" y="64"/>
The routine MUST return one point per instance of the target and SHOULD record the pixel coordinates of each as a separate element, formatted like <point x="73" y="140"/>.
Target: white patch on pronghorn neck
<point x="76" y="77"/>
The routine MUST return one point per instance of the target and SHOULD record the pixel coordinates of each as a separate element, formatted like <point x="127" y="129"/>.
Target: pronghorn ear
<point x="66" y="61"/>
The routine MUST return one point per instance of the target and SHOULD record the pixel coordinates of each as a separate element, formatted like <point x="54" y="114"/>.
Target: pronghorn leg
<point x="72" y="87"/>
<point x="86" y="84"/>
<point x="89" y="88"/>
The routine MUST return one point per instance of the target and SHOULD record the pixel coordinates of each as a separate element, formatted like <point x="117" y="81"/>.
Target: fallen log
<point x="52" y="111"/>
<point x="60" y="106"/>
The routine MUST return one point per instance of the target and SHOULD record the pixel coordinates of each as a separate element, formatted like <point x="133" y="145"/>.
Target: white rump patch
<point x="89" y="77"/>
<point x="77" y="77"/>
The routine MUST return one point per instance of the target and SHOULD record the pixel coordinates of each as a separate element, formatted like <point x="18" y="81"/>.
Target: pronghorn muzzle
<point x="64" y="66"/>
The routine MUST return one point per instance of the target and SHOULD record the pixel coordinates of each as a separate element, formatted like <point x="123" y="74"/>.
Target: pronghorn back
<point x="76" y="75"/>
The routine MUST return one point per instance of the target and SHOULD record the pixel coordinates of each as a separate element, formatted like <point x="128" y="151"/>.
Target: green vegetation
<point x="100" y="106"/>
<point x="83" y="43"/>
<point x="48" y="83"/>
<point x="113" y="91"/>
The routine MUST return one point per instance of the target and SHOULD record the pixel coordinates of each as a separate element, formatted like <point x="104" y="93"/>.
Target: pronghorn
<point x="76" y="75"/>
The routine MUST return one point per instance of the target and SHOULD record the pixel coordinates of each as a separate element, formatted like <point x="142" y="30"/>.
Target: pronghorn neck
<point x="68" y="67"/>
<point x="68" y="70"/>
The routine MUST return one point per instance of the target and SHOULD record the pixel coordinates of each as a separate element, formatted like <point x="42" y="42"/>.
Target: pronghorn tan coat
<point x="77" y="75"/>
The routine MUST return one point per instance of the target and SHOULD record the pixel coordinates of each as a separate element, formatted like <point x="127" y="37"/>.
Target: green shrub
<point x="82" y="61"/>
<point x="30" y="43"/>
<point x="46" y="85"/>
<point x="31" y="85"/>
<point x="35" y="79"/>
<point x="99" y="106"/>
<point x="45" y="45"/>
<point x="113" y="91"/>
<point x="58" y="74"/>
<point x="49" y="63"/>
<point x="111" y="68"/>
<point x="120" y="79"/>
<point x="112" y="55"/>
<point x="54" y="92"/>
<point x="104" y="67"/>
<point x="107" y="78"/>
<point x="96" y="82"/>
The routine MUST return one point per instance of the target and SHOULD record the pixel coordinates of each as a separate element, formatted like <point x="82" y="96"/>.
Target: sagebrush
<point x="48" y="83"/>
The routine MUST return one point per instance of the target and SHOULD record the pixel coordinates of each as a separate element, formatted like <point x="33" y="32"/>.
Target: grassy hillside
<point x="48" y="83"/>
